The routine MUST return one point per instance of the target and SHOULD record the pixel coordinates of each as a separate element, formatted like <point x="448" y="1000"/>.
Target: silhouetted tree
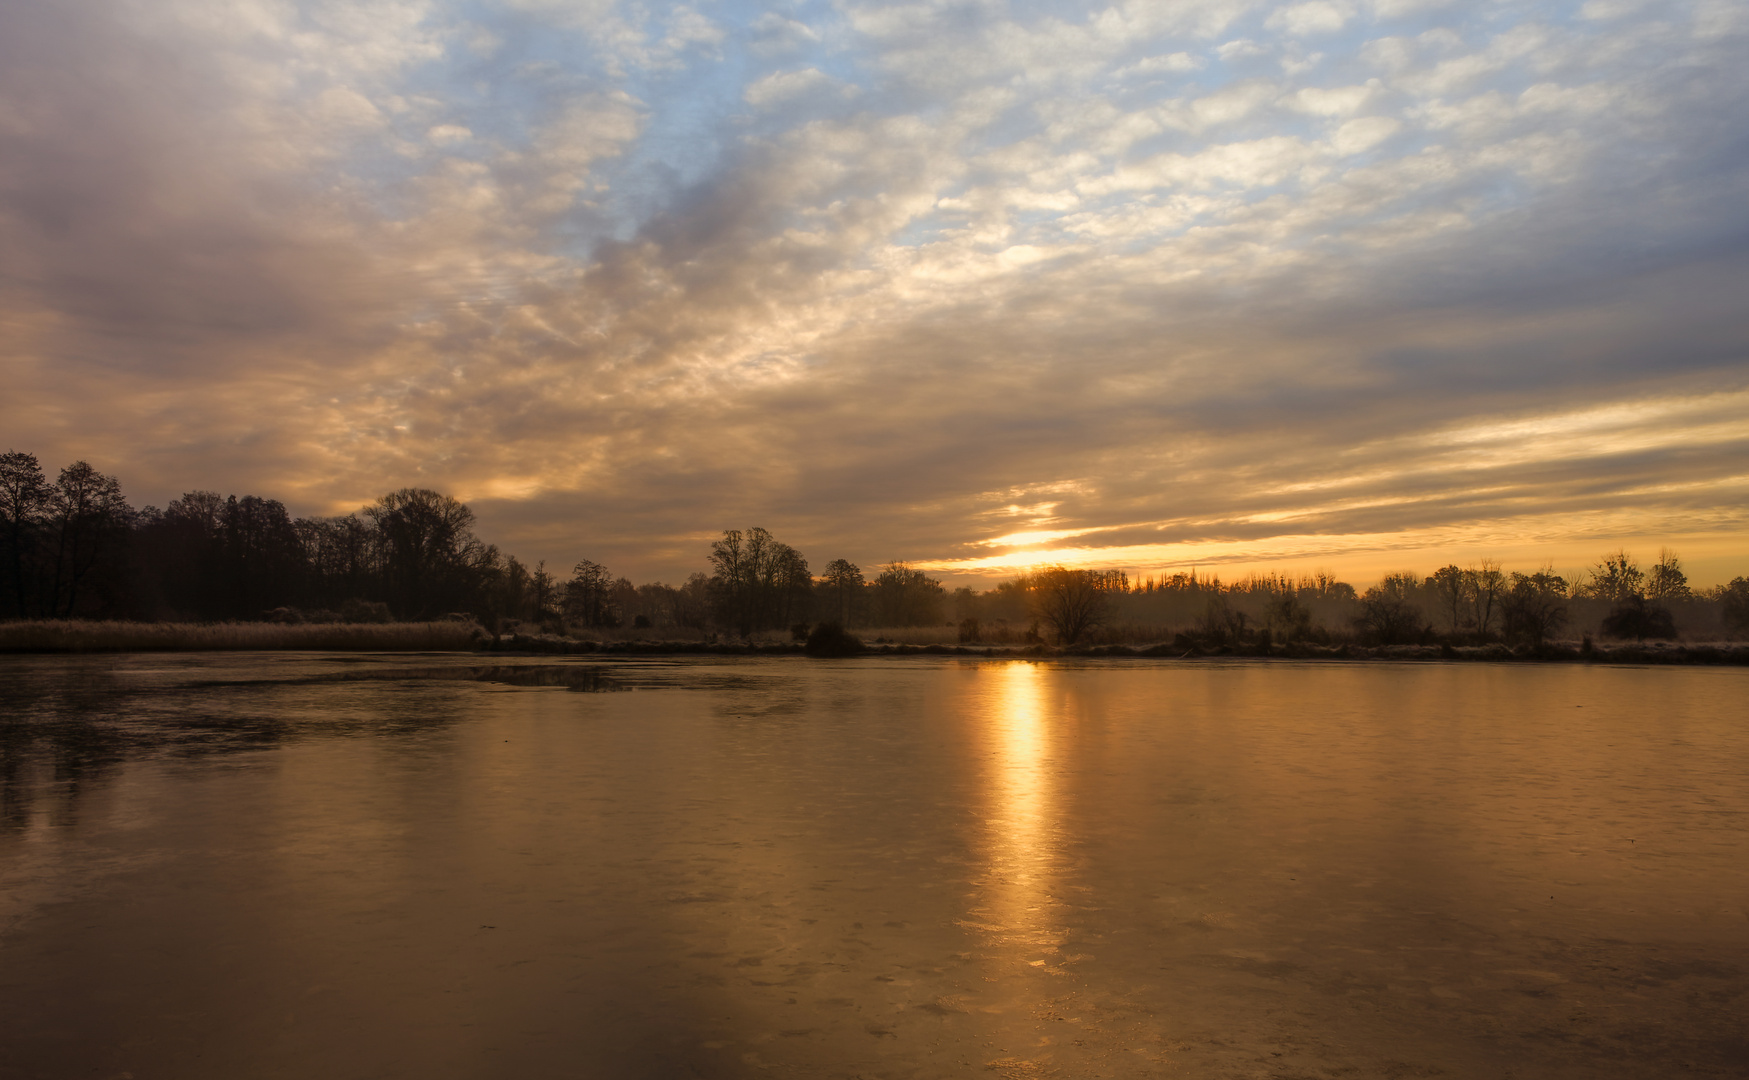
<point x="1452" y="587"/>
<point x="24" y="506"/>
<point x="507" y="592"/>
<point x="1285" y="616"/>
<point x="343" y="558"/>
<point x="1487" y="583"/>
<point x="181" y="552"/>
<point x="1667" y="582"/>
<point x="1388" y="611"/>
<point x="842" y="586"/>
<point x="431" y="560"/>
<point x="263" y="559"/>
<point x="904" y="596"/>
<point x="686" y="605"/>
<point x="88" y="523"/>
<point x="693" y="607"/>
<point x="543" y="594"/>
<point x="1535" y="606"/>
<point x="1071" y="602"/>
<point x="657" y="602"/>
<point x="1616" y="579"/>
<point x="1734" y="604"/>
<point x="759" y="582"/>
<point x="589" y="596"/>
<point x="792" y="587"/>
<point x="1221" y="621"/>
<point x="1321" y="585"/>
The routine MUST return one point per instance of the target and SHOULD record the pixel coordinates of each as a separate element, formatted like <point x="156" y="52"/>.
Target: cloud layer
<point x="973" y="284"/>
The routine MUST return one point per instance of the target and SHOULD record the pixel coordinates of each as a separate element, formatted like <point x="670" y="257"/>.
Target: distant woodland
<point x="72" y="547"/>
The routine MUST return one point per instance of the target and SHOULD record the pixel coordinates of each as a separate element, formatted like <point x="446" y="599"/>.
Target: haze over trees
<point x="71" y="546"/>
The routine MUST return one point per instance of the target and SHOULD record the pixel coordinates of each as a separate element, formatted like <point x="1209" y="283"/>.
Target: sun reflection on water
<point x="1016" y="903"/>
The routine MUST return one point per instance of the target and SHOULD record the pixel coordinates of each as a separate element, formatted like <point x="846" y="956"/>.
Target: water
<point x="402" y="866"/>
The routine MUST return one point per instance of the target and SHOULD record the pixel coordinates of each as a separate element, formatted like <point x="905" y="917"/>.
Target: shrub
<point x="1634" y="618"/>
<point x="830" y="639"/>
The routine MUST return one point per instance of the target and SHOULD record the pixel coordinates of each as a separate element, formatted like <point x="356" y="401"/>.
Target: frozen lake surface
<point x="295" y="865"/>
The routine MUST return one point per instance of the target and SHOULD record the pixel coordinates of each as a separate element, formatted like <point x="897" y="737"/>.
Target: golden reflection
<point x="1016" y="903"/>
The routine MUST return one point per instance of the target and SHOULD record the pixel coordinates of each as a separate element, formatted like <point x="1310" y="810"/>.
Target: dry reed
<point x="74" y="636"/>
<point x="908" y="635"/>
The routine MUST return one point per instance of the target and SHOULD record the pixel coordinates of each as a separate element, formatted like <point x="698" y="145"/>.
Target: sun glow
<point x="1573" y="538"/>
<point x="1021" y="810"/>
<point x="1039" y="536"/>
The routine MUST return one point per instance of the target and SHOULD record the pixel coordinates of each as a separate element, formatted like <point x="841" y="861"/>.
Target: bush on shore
<point x="830" y="639"/>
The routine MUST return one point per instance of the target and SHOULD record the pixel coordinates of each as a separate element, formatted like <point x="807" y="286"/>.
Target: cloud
<point x="1171" y="64"/>
<point x="1396" y="9"/>
<point x="773" y="34"/>
<point x="1240" y="49"/>
<point x="1358" y="136"/>
<point x="1332" y="101"/>
<point x="591" y="267"/>
<point x="781" y="86"/>
<point x="1314" y="17"/>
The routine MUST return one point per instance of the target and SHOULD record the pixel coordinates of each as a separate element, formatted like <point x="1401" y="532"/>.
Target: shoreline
<point x="1712" y="654"/>
<point x="463" y="639"/>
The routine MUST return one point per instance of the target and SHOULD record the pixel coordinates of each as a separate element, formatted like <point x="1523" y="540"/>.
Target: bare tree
<point x="343" y="556"/>
<point x="1615" y="579"/>
<point x="589" y="596"/>
<point x="1667" y="581"/>
<point x="543" y="592"/>
<point x="1488" y="582"/>
<point x="1072" y="602"/>
<point x="758" y="582"/>
<point x="88" y="518"/>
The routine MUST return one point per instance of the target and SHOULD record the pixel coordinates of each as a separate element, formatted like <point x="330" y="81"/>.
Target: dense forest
<point x="73" y="547"/>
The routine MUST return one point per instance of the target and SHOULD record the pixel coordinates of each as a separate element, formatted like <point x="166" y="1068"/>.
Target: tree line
<point x="73" y="547"/>
<point x="1477" y="604"/>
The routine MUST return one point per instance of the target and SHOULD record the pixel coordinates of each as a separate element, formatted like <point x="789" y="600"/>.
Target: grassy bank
<point x="77" y="636"/>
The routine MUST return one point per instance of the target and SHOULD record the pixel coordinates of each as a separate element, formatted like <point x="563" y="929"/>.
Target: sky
<point x="1364" y="286"/>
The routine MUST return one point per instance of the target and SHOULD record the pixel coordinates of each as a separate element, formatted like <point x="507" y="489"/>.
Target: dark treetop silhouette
<point x="72" y="547"/>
